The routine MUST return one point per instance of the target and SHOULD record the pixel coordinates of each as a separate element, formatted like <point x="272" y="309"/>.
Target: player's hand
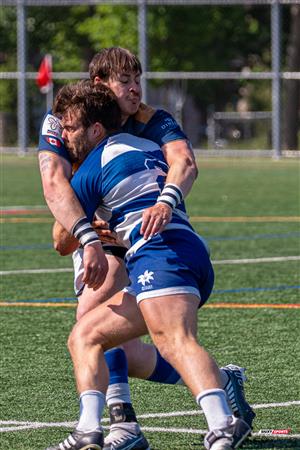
<point x="95" y="265"/>
<point x="155" y="219"/>
<point x="105" y="234"/>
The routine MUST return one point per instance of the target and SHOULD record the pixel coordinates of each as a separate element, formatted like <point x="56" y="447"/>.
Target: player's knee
<point x="83" y="336"/>
<point x="164" y="345"/>
<point x="171" y="347"/>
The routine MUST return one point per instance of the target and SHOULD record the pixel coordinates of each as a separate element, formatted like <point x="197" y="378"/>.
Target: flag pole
<point x="49" y="98"/>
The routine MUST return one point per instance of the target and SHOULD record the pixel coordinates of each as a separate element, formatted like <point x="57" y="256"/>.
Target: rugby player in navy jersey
<point x="121" y="70"/>
<point x="170" y="272"/>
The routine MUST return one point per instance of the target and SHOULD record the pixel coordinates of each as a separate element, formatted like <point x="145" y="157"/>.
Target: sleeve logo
<point x="52" y="126"/>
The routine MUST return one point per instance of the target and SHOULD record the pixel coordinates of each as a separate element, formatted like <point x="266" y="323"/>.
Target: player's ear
<point x="97" y="80"/>
<point x="98" y="130"/>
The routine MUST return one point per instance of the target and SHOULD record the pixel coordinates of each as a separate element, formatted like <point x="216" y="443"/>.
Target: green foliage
<point x="111" y="26"/>
<point x="187" y="38"/>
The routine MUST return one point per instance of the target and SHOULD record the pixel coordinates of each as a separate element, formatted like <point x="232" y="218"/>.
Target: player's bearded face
<point x="79" y="146"/>
<point x="76" y="138"/>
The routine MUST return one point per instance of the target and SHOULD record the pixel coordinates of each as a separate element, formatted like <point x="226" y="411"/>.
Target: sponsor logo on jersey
<point x="52" y="126"/>
<point x="168" y="122"/>
<point x="53" y="141"/>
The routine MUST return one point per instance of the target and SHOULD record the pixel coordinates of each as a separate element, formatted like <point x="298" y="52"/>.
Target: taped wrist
<point x="84" y="232"/>
<point x="171" y="195"/>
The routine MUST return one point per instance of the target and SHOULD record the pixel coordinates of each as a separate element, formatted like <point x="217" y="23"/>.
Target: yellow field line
<point x="194" y="219"/>
<point x="26" y="220"/>
<point x="211" y="306"/>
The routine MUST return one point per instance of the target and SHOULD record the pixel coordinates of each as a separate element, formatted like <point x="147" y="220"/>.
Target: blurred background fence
<point x="228" y="70"/>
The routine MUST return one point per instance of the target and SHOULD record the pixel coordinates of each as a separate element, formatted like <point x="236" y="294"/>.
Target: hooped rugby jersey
<point x="119" y="179"/>
<point x="157" y="125"/>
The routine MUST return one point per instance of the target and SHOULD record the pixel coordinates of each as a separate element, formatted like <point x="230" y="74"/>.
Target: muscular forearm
<point x="58" y="193"/>
<point x="63" y="203"/>
<point x="182" y="165"/>
<point x="182" y="175"/>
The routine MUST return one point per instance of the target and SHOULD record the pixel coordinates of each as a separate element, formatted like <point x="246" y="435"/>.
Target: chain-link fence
<point x="213" y="127"/>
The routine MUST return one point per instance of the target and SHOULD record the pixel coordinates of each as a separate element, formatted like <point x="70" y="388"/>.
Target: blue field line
<point x="212" y="238"/>
<point x="271" y="288"/>
<point x="27" y="247"/>
<point x="254" y="237"/>
<point x="217" y="291"/>
<point x="48" y="300"/>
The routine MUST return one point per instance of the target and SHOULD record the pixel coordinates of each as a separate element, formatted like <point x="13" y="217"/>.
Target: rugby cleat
<point x="79" y="440"/>
<point x="128" y="441"/>
<point x="236" y="393"/>
<point x="228" y="438"/>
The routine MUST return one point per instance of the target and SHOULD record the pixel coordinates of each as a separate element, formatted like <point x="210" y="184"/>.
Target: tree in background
<point x="189" y="38"/>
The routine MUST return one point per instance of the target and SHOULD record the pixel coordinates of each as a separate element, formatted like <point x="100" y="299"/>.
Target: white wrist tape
<point x="84" y="232"/>
<point x="171" y="195"/>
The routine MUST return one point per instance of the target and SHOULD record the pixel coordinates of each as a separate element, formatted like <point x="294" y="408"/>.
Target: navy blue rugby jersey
<point x="156" y="125"/>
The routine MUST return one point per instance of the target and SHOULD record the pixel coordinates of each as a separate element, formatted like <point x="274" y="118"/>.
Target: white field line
<point x="216" y="262"/>
<point x="35" y="271"/>
<point x="13" y="425"/>
<point x="257" y="260"/>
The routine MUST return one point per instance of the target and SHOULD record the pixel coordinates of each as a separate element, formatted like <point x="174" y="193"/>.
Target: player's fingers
<point x="148" y="230"/>
<point x="154" y="226"/>
<point x="145" y="222"/>
<point x="99" y="223"/>
<point x="93" y="278"/>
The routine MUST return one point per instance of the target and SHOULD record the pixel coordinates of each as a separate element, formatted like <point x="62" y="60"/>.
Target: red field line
<point x="19" y="212"/>
<point x="254" y="305"/>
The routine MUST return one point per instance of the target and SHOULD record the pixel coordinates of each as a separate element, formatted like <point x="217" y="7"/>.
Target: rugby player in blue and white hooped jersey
<point x="170" y="272"/>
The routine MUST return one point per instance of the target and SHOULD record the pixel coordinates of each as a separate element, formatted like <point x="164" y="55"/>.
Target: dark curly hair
<point x="94" y="103"/>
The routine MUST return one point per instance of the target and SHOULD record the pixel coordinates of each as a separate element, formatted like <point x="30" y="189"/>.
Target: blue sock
<point x="118" y="389"/>
<point x="164" y="372"/>
<point x="117" y="365"/>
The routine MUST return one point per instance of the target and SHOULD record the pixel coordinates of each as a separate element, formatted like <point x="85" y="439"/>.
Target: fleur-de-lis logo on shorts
<point x="146" y="277"/>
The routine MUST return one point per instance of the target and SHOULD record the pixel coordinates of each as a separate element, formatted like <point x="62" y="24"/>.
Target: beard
<point x="79" y="150"/>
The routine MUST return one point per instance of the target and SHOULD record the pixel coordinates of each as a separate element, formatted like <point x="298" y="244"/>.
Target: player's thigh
<point x="171" y="317"/>
<point x="111" y="323"/>
<point x="114" y="282"/>
<point x="116" y="278"/>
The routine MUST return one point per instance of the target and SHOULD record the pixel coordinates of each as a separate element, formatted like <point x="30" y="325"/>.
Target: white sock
<point x="215" y="407"/>
<point x="91" y="409"/>
<point x="118" y="393"/>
